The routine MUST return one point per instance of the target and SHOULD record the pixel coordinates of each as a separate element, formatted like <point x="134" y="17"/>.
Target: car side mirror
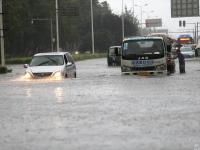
<point x="26" y="65"/>
<point x="69" y="64"/>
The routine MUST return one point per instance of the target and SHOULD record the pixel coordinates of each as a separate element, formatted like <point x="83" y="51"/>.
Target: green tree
<point x="25" y="37"/>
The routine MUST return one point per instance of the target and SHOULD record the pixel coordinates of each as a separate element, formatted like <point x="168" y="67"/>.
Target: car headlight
<point x="58" y="75"/>
<point x="161" y="67"/>
<point x="28" y="75"/>
<point x="126" y="69"/>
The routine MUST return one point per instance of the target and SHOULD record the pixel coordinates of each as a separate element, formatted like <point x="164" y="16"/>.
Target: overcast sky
<point x="154" y="9"/>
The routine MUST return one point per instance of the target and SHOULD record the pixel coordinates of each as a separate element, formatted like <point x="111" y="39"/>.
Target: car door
<point x="70" y="66"/>
<point x="67" y="67"/>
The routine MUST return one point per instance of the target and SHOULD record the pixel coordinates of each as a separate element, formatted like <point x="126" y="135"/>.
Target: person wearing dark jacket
<point x="181" y="59"/>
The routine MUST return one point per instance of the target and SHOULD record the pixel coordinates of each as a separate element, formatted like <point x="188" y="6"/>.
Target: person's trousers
<point x="182" y="68"/>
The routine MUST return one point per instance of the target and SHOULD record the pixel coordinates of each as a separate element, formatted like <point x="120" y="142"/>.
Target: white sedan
<point x="54" y="65"/>
<point x="188" y="52"/>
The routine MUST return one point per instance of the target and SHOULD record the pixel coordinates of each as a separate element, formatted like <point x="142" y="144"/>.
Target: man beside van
<point x="181" y="59"/>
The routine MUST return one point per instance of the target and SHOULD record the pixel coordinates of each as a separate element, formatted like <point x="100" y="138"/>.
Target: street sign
<point x="184" y="8"/>
<point x="153" y="23"/>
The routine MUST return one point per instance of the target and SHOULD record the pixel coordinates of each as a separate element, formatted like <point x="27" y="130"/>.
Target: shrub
<point x="23" y="60"/>
<point x="3" y="69"/>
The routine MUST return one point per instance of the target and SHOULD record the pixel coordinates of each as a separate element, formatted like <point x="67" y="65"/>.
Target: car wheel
<point x="66" y="75"/>
<point x="74" y="74"/>
<point x="109" y="63"/>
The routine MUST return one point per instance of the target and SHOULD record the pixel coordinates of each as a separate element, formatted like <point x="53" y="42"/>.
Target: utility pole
<point x="92" y="26"/>
<point x="195" y="28"/>
<point x="122" y="20"/>
<point x="2" y="35"/>
<point x="197" y="32"/>
<point x="133" y="10"/>
<point x="51" y="34"/>
<point x="57" y="28"/>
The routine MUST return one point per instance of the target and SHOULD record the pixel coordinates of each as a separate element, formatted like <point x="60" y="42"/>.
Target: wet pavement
<point x="101" y="110"/>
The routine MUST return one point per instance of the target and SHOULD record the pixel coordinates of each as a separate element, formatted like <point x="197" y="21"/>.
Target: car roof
<point x="143" y="38"/>
<point x="51" y="53"/>
<point x="186" y="47"/>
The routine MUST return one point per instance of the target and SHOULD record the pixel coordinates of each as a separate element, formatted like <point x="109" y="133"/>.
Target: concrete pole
<point x="2" y="35"/>
<point x="197" y="32"/>
<point x="51" y="34"/>
<point x="141" y="15"/>
<point x="92" y="26"/>
<point x="133" y="10"/>
<point x="57" y="28"/>
<point x="122" y="20"/>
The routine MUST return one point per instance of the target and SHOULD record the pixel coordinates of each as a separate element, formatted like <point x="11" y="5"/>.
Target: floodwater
<point x="101" y="110"/>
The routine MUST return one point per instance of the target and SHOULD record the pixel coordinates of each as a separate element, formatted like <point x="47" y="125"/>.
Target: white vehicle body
<point x="51" y="65"/>
<point x="144" y="59"/>
<point x="188" y="52"/>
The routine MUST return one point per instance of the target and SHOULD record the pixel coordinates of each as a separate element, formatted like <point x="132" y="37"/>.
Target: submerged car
<point x="114" y="56"/>
<point x="54" y="65"/>
<point x="188" y="52"/>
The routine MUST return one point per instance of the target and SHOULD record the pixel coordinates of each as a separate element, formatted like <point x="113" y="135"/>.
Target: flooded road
<point x="101" y="110"/>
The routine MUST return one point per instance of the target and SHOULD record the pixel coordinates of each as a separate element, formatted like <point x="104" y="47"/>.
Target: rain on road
<point x="101" y="110"/>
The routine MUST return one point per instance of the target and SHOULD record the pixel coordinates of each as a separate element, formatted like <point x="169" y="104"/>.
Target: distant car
<point x="188" y="52"/>
<point x="54" y="65"/>
<point x="113" y="56"/>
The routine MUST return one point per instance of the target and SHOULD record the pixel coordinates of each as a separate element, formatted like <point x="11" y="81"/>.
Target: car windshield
<point x="186" y="49"/>
<point x="47" y="60"/>
<point x="113" y="49"/>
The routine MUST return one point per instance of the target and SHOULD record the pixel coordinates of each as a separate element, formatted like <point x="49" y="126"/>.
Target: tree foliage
<point x="26" y="37"/>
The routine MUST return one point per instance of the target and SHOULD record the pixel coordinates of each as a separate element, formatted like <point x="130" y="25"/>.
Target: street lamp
<point x="57" y="27"/>
<point x="51" y="26"/>
<point x="122" y="20"/>
<point x="141" y="6"/>
<point x="92" y="26"/>
<point x="2" y="35"/>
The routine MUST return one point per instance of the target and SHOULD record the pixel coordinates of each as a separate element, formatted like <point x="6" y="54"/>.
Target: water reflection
<point x="59" y="93"/>
<point x="28" y="93"/>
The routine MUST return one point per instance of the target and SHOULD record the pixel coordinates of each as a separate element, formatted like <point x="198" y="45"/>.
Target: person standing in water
<point x="181" y="59"/>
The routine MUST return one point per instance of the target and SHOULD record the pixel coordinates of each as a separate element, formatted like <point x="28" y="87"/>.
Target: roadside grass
<point x="77" y="57"/>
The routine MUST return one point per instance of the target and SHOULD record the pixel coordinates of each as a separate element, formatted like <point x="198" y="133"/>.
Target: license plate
<point x="142" y="62"/>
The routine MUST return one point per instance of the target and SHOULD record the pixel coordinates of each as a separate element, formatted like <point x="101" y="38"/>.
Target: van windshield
<point x="148" y="47"/>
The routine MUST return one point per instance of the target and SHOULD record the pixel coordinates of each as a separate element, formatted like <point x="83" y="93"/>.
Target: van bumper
<point x="145" y="73"/>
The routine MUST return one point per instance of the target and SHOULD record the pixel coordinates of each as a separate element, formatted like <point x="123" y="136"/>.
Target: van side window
<point x="65" y="58"/>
